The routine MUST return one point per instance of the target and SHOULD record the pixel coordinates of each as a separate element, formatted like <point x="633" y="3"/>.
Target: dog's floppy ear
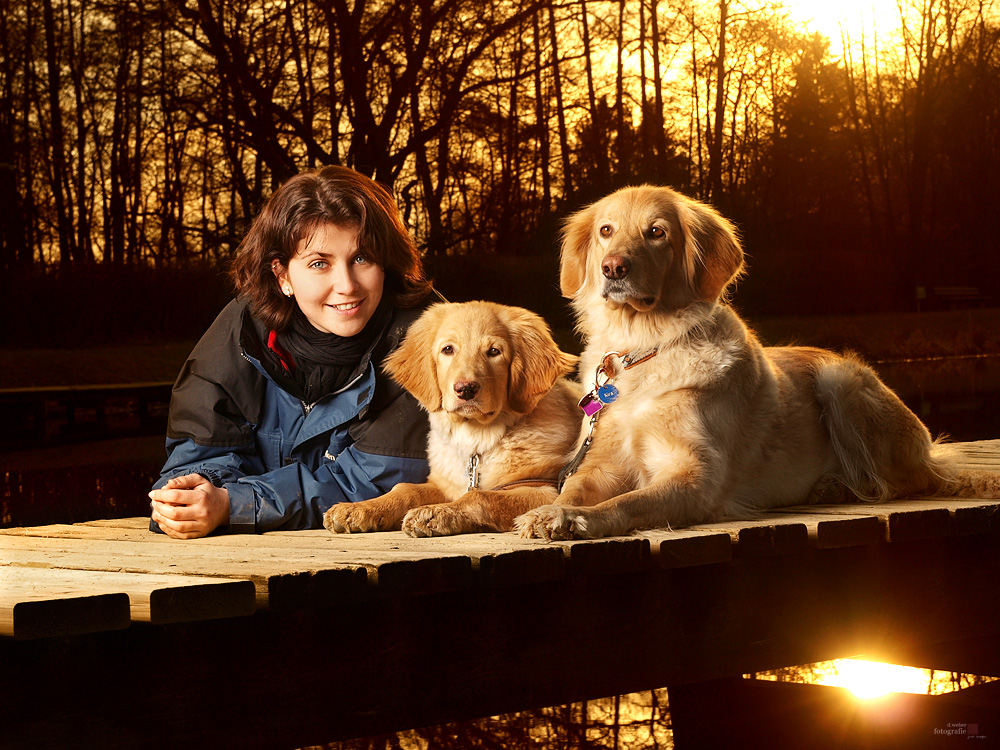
<point x="578" y="234"/>
<point x="713" y="257"/>
<point x="536" y="362"/>
<point x="413" y="364"/>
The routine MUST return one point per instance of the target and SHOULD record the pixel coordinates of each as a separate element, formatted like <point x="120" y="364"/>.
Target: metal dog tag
<point x="607" y="393"/>
<point x="591" y="404"/>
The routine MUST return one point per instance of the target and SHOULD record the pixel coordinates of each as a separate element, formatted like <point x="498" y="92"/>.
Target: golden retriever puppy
<point x="503" y="422"/>
<point x="708" y="423"/>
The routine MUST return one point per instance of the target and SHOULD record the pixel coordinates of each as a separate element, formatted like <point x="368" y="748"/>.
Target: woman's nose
<point x="344" y="281"/>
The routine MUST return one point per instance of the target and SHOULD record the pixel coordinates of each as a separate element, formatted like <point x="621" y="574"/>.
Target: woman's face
<point x="336" y="286"/>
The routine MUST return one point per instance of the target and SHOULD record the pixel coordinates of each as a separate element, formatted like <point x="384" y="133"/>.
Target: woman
<point x="282" y="409"/>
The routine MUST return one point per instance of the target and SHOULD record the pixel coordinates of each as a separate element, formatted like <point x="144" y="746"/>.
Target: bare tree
<point x="14" y="248"/>
<point x="57" y="138"/>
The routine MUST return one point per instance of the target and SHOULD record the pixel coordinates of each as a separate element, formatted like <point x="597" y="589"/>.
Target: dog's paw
<point x="436" y="520"/>
<point x="553" y="523"/>
<point x="352" y="518"/>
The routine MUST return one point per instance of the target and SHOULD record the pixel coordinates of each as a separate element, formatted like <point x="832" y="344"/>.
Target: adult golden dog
<point x="708" y="422"/>
<point x="503" y="420"/>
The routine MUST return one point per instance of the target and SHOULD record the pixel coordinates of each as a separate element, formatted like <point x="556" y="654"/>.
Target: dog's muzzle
<point x="616" y="267"/>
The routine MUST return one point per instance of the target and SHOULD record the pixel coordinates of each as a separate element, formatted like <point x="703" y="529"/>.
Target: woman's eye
<point x="492" y="352"/>
<point x="360" y="259"/>
<point x="318" y="264"/>
<point x="448" y="349"/>
<point x="657" y="232"/>
<point x="607" y="230"/>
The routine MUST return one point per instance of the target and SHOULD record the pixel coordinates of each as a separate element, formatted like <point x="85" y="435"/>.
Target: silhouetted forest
<point x="143" y="136"/>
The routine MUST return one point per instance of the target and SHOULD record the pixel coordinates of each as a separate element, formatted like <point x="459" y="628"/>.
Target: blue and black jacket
<point x="285" y="462"/>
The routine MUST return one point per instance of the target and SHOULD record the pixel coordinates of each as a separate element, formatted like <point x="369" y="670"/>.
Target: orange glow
<point x="855" y="19"/>
<point x="872" y="679"/>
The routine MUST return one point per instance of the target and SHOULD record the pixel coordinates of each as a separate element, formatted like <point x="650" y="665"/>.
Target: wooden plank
<point x="310" y="563"/>
<point x="495" y="559"/>
<point x="686" y="548"/>
<point x="921" y="518"/>
<point x="508" y="555"/>
<point x="967" y="516"/>
<point x="764" y="537"/>
<point x="602" y="556"/>
<point x="983" y="455"/>
<point x="27" y="612"/>
<point x="507" y="550"/>
<point x="281" y="581"/>
<point x="522" y="566"/>
<point x="498" y="559"/>
<point x="985" y="452"/>
<point x="847" y="530"/>
<point x="153" y="599"/>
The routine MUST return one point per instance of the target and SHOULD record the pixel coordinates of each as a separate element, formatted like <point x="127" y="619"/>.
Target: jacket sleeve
<point x="214" y="403"/>
<point x="389" y="446"/>
<point x="293" y="497"/>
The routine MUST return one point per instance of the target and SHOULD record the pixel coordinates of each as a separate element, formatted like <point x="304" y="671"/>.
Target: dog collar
<point x="473" y="473"/>
<point x="604" y="392"/>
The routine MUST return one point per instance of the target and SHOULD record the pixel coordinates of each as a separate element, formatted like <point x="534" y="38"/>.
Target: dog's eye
<point x="606" y="230"/>
<point x="492" y="352"/>
<point x="448" y="350"/>
<point x="657" y="233"/>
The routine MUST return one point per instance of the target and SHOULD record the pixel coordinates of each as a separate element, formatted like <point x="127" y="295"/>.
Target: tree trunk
<point x="600" y="147"/>
<point x="715" y="143"/>
<point x="56" y="137"/>
<point x="620" y="137"/>
<point x="83" y="252"/>
<point x="14" y="249"/>
<point x="541" y="120"/>
<point x="564" y="154"/>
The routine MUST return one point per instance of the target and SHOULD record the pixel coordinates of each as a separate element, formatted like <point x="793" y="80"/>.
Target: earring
<point x="288" y="291"/>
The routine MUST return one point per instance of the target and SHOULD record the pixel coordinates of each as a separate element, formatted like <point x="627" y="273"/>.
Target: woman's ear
<point x="413" y="364"/>
<point x="537" y="360"/>
<point x="281" y="274"/>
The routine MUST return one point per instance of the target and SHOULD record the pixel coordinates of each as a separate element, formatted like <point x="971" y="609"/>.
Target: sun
<point x="870" y="679"/>
<point x="853" y="19"/>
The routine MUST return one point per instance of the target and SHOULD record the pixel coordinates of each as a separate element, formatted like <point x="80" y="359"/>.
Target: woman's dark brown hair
<point x="329" y="195"/>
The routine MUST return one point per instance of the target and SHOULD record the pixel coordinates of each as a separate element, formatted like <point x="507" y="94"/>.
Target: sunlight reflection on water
<point x="641" y="721"/>
<point x="636" y="721"/>
<point x="872" y="679"/>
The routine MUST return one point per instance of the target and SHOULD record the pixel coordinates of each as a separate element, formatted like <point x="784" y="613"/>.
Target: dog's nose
<point x="466" y="389"/>
<point x="616" y="267"/>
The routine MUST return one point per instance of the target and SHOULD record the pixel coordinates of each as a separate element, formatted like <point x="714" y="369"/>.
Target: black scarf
<point x="323" y="363"/>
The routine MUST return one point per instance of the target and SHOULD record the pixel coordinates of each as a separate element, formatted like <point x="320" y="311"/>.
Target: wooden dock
<point x="111" y="636"/>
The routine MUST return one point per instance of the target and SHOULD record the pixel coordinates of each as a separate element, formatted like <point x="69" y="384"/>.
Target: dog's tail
<point x="883" y="450"/>
<point x="956" y="480"/>
<point x="976" y="483"/>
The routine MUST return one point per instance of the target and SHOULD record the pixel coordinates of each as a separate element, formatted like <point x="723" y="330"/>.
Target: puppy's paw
<point x="352" y="518"/>
<point x="553" y="523"/>
<point x="441" y="519"/>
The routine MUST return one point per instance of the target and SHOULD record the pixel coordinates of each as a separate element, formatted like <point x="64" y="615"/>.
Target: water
<point x="642" y="721"/>
<point x="637" y="721"/>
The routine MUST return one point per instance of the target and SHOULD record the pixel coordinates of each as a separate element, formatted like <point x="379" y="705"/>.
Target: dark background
<point x="138" y="140"/>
